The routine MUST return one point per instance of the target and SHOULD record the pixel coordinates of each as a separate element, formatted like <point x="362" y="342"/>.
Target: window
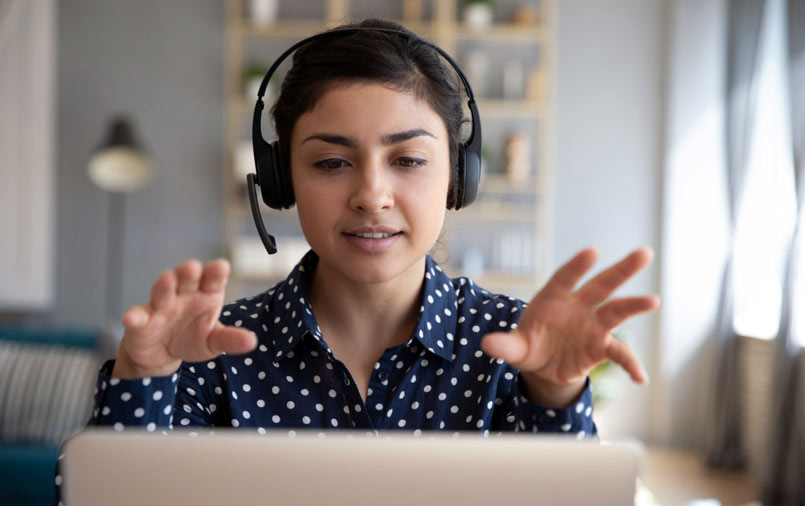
<point x="767" y="211"/>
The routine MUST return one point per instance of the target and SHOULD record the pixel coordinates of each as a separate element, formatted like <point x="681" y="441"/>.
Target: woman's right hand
<point x="179" y="323"/>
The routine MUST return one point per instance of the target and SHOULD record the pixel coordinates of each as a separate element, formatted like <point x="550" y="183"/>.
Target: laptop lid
<point x="344" y="468"/>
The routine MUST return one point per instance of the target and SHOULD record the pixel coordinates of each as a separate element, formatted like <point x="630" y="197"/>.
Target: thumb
<point x="231" y="340"/>
<point x="135" y="317"/>
<point x="509" y="346"/>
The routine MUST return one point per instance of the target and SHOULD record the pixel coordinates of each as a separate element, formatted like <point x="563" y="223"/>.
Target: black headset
<point x="274" y="178"/>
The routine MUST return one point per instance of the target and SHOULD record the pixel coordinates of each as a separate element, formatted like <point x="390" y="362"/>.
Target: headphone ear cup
<point x="275" y="186"/>
<point x="456" y="195"/>
<point x="283" y="189"/>
<point x="468" y="178"/>
<point x="470" y="170"/>
<point x="263" y="160"/>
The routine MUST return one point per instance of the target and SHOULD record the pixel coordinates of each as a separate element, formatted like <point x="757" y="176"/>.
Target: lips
<point x="378" y="232"/>
<point x="373" y="239"/>
<point x="372" y="235"/>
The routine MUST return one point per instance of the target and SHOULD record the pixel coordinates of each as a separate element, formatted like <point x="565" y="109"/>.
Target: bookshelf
<point x="503" y="241"/>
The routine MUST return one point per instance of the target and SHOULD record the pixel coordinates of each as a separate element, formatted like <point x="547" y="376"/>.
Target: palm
<point x="180" y="330"/>
<point x="563" y="334"/>
<point x="564" y="340"/>
<point x="180" y="322"/>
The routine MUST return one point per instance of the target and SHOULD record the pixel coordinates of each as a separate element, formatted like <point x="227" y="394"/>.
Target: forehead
<point x="363" y="109"/>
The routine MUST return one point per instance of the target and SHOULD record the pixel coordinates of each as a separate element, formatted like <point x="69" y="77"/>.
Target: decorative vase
<point x="478" y="15"/>
<point x="263" y="12"/>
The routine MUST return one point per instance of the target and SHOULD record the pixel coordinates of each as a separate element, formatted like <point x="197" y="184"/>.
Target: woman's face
<point x="370" y="170"/>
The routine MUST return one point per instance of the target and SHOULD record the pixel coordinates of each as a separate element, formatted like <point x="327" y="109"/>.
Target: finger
<point x="599" y="289"/>
<point x="567" y="276"/>
<point x="616" y="311"/>
<point x="136" y="317"/>
<point x="622" y="355"/>
<point x="214" y="277"/>
<point x="231" y="340"/>
<point x="511" y="347"/>
<point x="189" y="274"/>
<point x="164" y="290"/>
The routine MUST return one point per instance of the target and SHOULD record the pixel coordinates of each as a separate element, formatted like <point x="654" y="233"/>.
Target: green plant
<point x="253" y="71"/>
<point x="252" y="76"/>
<point x="603" y="383"/>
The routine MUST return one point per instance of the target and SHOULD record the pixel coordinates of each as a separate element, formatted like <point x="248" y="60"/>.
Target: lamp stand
<point x="114" y="256"/>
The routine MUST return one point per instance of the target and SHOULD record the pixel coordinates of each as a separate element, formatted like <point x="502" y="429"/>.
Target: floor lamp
<point x="119" y="166"/>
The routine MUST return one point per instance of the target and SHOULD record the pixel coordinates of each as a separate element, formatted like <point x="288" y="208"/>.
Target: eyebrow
<point x="398" y="137"/>
<point x="387" y="140"/>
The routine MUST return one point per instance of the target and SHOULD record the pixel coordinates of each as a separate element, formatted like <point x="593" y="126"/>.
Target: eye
<point x="330" y="164"/>
<point x="411" y="162"/>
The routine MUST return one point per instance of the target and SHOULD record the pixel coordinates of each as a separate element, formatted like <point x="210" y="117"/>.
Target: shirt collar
<point x="290" y="297"/>
<point x="437" y="312"/>
<point x="436" y="322"/>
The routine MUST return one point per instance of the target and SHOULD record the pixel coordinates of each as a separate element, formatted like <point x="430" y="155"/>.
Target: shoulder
<point x="489" y="311"/>
<point x="281" y="316"/>
<point x="248" y="311"/>
<point x="477" y="310"/>
<point x="283" y="304"/>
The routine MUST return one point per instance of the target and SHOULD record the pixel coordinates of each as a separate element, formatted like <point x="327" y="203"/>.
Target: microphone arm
<point x="268" y="240"/>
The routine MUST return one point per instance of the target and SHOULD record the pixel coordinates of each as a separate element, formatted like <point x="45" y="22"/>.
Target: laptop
<point x="344" y="468"/>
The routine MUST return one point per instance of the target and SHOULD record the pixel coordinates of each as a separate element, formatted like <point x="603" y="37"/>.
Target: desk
<point x="674" y="477"/>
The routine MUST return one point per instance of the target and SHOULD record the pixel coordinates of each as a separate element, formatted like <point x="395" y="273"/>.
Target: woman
<point x="367" y="331"/>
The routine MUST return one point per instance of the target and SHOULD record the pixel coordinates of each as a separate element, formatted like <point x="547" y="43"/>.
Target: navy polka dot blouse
<point x="440" y="379"/>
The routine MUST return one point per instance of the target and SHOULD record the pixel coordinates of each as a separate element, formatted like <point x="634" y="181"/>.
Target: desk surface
<point x="673" y="477"/>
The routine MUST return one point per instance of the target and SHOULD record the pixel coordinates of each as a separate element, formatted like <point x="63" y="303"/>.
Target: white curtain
<point x="27" y="153"/>
<point x="695" y="226"/>
<point x="783" y="479"/>
<point x="743" y="39"/>
<point x="734" y="203"/>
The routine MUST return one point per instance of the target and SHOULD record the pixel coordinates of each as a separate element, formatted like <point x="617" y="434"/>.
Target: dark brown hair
<point x="402" y="62"/>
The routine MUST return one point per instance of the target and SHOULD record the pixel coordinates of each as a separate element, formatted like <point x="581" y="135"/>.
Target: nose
<point x="373" y="189"/>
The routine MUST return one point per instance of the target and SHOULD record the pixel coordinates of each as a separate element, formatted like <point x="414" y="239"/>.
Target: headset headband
<point x="471" y="141"/>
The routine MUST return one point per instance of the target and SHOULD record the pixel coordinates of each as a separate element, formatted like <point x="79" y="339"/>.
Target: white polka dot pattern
<point x="440" y="379"/>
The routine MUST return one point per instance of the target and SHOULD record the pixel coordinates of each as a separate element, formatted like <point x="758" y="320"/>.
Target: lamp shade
<point x="119" y="164"/>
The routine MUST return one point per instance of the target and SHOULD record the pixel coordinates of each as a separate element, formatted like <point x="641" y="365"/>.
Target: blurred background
<point x="674" y="124"/>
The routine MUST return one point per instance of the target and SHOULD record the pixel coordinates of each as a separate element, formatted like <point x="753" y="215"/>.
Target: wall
<point x="160" y="63"/>
<point x="609" y="109"/>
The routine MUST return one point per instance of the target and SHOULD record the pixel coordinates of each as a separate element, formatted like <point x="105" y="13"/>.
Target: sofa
<point x="47" y="378"/>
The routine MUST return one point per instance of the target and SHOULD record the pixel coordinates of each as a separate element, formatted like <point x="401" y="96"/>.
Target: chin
<point x="375" y="269"/>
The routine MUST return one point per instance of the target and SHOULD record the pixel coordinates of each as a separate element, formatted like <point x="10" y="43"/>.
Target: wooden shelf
<point x="494" y="212"/>
<point x="499" y="184"/>
<point x="289" y="28"/>
<point x="499" y="107"/>
<point x="523" y="285"/>
<point x="514" y="34"/>
<point x="492" y="277"/>
<point x="300" y="28"/>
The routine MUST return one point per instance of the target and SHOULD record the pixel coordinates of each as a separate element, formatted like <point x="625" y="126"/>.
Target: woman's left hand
<point x="563" y="334"/>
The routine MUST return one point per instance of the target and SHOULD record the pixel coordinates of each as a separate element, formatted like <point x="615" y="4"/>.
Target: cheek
<point x="311" y="206"/>
<point x="428" y="199"/>
<point x="315" y="227"/>
<point x="437" y="189"/>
